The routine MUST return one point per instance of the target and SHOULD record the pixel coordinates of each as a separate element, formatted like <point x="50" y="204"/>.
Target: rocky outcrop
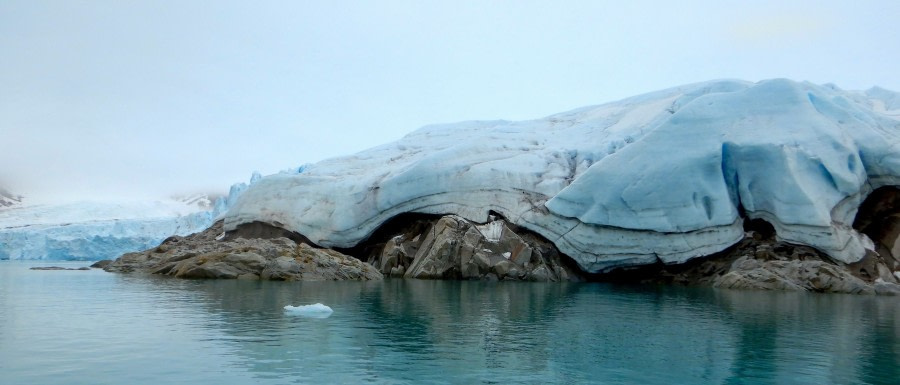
<point x="760" y="262"/>
<point x="747" y="272"/>
<point x="202" y="255"/>
<point x="8" y="199"/>
<point x="101" y="263"/>
<point x="879" y="218"/>
<point x="454" y="248"/>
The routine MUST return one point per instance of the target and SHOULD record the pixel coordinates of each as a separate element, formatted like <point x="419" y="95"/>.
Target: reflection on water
<point x="95" y="327"/>
<point x="816" y="339"/>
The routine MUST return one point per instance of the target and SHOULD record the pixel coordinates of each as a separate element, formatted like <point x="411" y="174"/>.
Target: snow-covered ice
<point x="662" y="176"/>
<point x="316" y="310"/>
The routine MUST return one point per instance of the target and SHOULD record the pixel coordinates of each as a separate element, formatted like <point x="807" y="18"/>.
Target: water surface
<point x="93" y="327"/>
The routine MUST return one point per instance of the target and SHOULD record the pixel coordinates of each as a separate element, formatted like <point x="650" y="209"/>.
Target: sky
<point x="148" y="99"/>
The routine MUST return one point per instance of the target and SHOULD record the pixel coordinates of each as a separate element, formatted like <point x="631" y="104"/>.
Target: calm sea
<point x="93" y="327"/>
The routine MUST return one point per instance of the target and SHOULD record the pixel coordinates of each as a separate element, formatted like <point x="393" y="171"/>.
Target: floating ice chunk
<point x="316" y="310"/>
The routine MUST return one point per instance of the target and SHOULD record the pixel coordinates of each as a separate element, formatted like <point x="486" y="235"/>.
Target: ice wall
<point x="104" y="230"/>
<point x="663" y="176"/>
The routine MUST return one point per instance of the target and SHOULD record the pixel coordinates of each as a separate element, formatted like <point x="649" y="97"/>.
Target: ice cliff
<point x="666" y="176"/>
<point x="103" y="230"/>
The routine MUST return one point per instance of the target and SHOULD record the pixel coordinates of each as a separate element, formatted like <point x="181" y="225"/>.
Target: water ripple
<point x="99" y="328"/>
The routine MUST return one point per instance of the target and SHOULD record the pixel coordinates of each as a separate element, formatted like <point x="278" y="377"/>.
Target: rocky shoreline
<point x="759" y="262"/>
<point x="451" y="247"/>
<point x="208" y="255"/>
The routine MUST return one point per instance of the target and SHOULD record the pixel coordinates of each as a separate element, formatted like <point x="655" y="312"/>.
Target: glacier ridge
<point x="662" y="177"/>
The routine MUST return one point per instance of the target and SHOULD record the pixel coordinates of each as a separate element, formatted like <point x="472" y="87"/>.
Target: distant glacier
<point x="92" y="230"/>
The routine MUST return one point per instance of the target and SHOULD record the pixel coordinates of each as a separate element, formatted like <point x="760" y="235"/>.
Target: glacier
<point x="663" y="177"/>
<point x="91" y="230"/>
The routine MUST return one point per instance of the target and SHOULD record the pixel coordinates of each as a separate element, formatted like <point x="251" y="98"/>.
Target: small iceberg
<point x="316" y="310"/>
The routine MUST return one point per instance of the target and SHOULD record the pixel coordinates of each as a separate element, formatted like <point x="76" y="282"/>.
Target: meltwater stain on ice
<point x="316" y="310"/>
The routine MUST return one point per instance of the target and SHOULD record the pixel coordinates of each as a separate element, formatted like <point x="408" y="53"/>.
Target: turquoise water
<point x="93" y="327"/>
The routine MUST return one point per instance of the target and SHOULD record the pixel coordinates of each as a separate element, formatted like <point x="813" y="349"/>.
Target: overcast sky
<point x="150" y="98"/>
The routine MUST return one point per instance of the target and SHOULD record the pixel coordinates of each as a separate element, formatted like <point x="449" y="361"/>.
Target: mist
<point x="148" y="99"/>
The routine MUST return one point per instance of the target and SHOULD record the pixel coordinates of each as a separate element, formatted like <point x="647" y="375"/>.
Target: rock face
<point x="454" y="248"/>
<point x="8" y="199"/>
<point x="879" y="219"/>
<point x="202" y="255"/>
<point x="761" y="262"/>
<point x="750" y="273"/>
<point x="664" y="177"/>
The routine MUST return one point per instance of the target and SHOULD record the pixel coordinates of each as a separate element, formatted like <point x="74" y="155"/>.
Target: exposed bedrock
<point x="451" y="247"/>
<point x="879" y="219"/>
<point x="202" y="255"/>
<point x="761" y="262"/>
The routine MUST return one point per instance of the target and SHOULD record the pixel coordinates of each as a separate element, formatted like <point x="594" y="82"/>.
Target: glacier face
<point x="665" y="176"/>
<point x="95" y="240"/>
<point x="103" y="230"/>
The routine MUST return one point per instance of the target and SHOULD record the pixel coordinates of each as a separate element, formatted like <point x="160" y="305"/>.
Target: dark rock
<point x="452" y="247"/>
<point x="818" y="276"/>
<point x="879" y="218"/>
<point x="101" y="264"/>
<point x="758" y="263"/>
<point x="201" y="255"/>
<point x="259" y="230"/>
<point x="59" y="268"/>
